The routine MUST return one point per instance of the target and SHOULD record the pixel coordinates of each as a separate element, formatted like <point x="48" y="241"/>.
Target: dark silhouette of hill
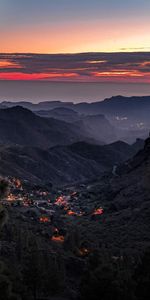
<point x="125" y="197"/>
<point x="101" y="254"/>
<point x="106" y="155"/>
<point x="129" y="115"/>
<point x="21" y="126"/>
<point x="79" y="162"/>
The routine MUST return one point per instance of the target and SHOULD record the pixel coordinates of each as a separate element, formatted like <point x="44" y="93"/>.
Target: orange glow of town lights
<point x="58" y="239"/>
<point x="98" y="211"/>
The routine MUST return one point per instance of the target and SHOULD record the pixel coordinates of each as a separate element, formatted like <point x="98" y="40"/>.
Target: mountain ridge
<point x="60" y="165"/>
<point x="21" y="126"/>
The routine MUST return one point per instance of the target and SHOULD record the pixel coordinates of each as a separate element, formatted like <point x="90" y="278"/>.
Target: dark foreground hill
<point x="125" y="197"/>
<point x="61" y="165"/>
<point x="90" y="256"/>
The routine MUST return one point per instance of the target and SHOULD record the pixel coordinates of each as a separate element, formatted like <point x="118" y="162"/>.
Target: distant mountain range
<point x="116" y="105"/>
<point x="63" y="145"/>
<point x="21" y="126"/>
<point x="129" y="115"/>
<point x="95" y="126"/>
<point x="61" y="113"/>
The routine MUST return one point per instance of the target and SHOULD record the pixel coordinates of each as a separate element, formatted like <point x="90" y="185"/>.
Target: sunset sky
<point x="83" y="26"/>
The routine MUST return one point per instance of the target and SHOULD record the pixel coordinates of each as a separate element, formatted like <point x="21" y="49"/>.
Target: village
<point x="49" y="211"/>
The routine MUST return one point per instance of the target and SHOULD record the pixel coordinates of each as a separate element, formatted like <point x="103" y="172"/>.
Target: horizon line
<point x="79" y="82"/>
<point x="82" y="52"/>
<point x="72" y="102"/>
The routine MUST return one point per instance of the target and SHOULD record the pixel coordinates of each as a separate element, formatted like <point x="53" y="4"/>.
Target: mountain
<point x="94" y="126"/>
<point x="129" y="115"/>
<point x="45" y="105"/>
<point x="118" y="105"/>
<point x="106" y="155"/>
<point x="2" y="106"/>
<point x="60" y="113"/>
<point x="98" y="127"/>
<point x="125" y="198"/>
<point x="21" y="126"/>
<point x="99" y="240"/>
<point x="57" y="165"/>
<point x="138" y="144"/>
<point x="62" y="165"/>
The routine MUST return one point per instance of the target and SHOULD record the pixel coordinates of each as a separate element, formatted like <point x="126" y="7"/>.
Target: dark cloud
<point x="83" y="64"/>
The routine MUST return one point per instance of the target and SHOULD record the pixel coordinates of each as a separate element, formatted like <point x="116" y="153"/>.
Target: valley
<point x="76" y="204"/>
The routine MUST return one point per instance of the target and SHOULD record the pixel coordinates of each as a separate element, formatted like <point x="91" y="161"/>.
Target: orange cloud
<point x="8" y="64"/>
<point x="116" y="73"/>
<point x="96" y="61"/>
<point x="76" y="67"/>
<point x="34" y="76"/>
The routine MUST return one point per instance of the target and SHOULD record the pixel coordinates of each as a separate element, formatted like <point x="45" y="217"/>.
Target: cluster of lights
<point x="57" y="237"/>
<point x="84" y="251"/>
<point x="61" y="201"/>
<point x="44" y="219"/>
<point x="98" y="211"/>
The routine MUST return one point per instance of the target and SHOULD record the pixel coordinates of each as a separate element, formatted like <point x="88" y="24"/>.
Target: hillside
<point x="128" y="116"/>
<point x="125" y="198"/>
<point x="21" y="126"/>
<point x="98" y="127"/>
<point x="60" y="113"/>
<point x="61" y="165"/>
<point x="94" y="126"/>
<point x="99" y="236"/>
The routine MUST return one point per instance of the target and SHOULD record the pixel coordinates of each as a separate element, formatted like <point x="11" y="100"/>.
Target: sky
<point x="100" y="29"/>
